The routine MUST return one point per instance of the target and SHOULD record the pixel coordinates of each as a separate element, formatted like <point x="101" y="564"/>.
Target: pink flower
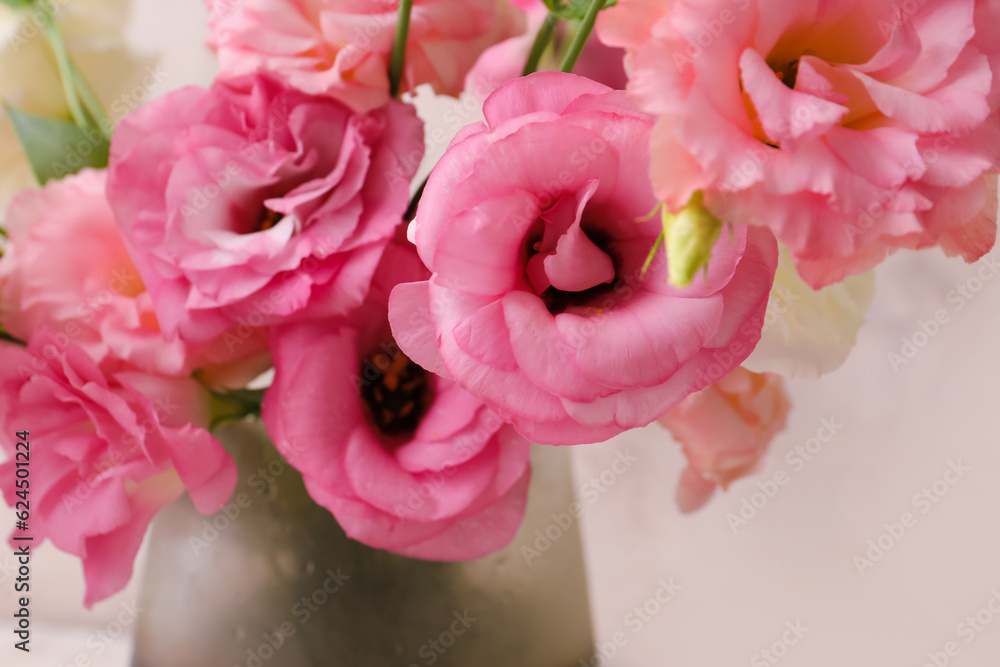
<point x="405" y="460"/>
<point x="725" y="430"/>
<point x="250" y="204"/>
<point x="602" y="63"/>
<point x="342" y="48"/>
<point x="505" y="61"/>
<point x="849" y="128"/>
<point x="66" y="268"/>
<point x="533" y="228"/>
<point x="108" y="450"/>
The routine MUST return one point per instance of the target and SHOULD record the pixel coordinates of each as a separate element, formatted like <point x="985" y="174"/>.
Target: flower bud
<point x="689" y="237"/>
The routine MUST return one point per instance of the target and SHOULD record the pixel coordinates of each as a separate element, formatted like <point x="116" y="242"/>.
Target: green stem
<point x="541" y="43"/>
<point x="90" y="101"/>
<point x="10" y="339"/>
<point x="582" y="35"/>
<point x="398" y="58"/>
<point x="55" y="39"/>
<point x="651" y="255"/>
<point x="230" y="407"/>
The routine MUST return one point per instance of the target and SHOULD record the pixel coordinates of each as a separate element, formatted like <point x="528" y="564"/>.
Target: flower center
<point x="268" y="219"/>
<point x="396" y="393"/>
<point x="788" y="73"/>
<point x="565" y="260"/>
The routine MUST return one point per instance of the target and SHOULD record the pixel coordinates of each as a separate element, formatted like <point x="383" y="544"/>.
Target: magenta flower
<point x="405" y="460"/>
<point x="850" y="129"/>
<point x="533" y="227"/>
<point x="251" y="204"/>
<point x="108" y="451"/>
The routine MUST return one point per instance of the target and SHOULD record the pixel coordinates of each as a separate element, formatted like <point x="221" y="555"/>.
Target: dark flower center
<point x="268" y="219"/>
<point x="559" y="301"/>
<point x="396" y="393"/>
<point x="566" y="260"/>
<point x="788" y="74"/>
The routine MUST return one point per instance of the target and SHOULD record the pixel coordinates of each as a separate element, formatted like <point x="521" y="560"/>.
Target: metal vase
<point x="272" y="581"/>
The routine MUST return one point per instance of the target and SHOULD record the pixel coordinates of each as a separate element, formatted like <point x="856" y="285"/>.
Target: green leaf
<point x="18" y="4"/>
<point x="56" y="148"/>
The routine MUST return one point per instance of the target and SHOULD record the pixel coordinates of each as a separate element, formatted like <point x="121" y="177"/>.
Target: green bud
<point x="689" y="236"/>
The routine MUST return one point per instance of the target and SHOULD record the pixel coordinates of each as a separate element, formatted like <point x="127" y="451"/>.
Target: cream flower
<point x="808" y="333"/>
<point x="29" y="80"/>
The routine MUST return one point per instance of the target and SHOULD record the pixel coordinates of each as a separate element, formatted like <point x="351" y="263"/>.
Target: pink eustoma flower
<point x="405" y="460"/>
<point x="505" y="61"/>
<point x="342" y="47"/>
<point x="725" y="430"/>
<point x="251" y="204"/>
<point x="536" y="229"/>
<point x="66" y="268"/>
<point x="108" y="450"/>
<point x="849" y="128"/>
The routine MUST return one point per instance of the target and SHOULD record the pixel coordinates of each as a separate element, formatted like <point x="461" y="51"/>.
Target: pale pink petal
<point x="785" y="114"/>
<point x="693" y="490"/>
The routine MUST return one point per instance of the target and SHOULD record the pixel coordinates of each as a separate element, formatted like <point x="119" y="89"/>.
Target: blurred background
<point x="818" y="571"/>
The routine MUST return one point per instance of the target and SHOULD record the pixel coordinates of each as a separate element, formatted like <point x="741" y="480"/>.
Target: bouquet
<point x="668" y="207"/>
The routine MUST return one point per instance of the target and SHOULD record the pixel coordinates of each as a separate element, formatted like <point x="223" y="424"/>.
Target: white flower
<point x="808" y="333"/>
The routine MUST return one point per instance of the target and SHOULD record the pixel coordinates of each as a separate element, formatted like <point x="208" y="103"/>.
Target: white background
<point x="794" y="561"/>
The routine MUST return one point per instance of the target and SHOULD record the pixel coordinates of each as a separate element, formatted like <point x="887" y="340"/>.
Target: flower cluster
<point x="422" y="337"/>
<point x="849" y="129"/>
<point x="253" y="224"/>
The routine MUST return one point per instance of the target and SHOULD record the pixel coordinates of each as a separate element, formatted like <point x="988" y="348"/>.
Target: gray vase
<point x="272" y="581"/>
